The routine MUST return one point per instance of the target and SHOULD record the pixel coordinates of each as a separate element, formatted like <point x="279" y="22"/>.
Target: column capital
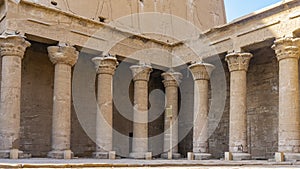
<point x="106" y="64"/>
<point x="287" y="47"/>
<point x="13" y="45"/>
<point x="238" y="61"/>
<point x="171" y="78"/>
<point x="63" y="54"/>
<point x="201" y="71"/>
<point x="141" y="72"/>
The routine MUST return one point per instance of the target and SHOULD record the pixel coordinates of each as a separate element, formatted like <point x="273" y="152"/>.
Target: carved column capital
<point x="287" y="47"/>
<point x="238" y="61"/>
<point x="141" y="72"/>
<point x="171" y="78"/>
<point x="13" y="45"/>
<point x="105" y="65"/>
<point x="201" y="71"/>
<point x="63" y="54"/>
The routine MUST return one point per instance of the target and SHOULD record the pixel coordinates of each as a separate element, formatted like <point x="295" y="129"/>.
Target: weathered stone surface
<point x="141" y="75"/>
<point x="288" y="53"/>
<point x="114" y="9"/>
<point x="171" y="82"/>
<point x="262" y="83"/>
<point x="63" y="57"/>
<point x="262" y="104"/>
<point x="279" y="157"/>
<point x="12" y="49"/>
<point x="228" y="156"/>
<point x="190" y="156"/>
<point x="238" y="65"/>
<point x="201" y="74"/>
<point x="112" y="155"/>
<point x="148" y="156"/>
<point x="105" y="67"/>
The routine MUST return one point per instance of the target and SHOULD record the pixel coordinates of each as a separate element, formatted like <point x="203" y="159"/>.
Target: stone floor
<point x="130" y="163"/>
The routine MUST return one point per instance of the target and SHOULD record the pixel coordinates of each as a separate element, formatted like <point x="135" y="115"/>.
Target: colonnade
<point x="12" y="49"/>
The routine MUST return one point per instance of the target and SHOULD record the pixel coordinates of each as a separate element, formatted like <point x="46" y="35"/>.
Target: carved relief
<point x="106" y="64"/>
<point x="63" y="54"/>
<point x="238" y="61"/>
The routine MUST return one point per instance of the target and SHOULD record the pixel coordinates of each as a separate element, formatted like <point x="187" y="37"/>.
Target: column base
<point x="202" y="156"/>
<point x="291" y="156"/>
<point x="21" y="154"/>
<point x="138" y="155"/>
<point x="61" y="154"/>
<point x="241" y="156"/>
<point x="174" y="155"/>
<point x="101" y="155"/>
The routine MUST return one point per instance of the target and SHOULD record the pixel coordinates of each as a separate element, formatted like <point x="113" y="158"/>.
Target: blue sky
<point x="238" y="8"/>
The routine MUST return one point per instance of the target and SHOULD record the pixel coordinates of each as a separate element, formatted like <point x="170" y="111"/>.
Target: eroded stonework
<point x="260" y="116"/>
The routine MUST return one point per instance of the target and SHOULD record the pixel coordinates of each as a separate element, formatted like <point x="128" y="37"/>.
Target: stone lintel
<point x="201" y="71"/>
<point x="171" y="78"/>
<point x="13" y="45"/>
<point x="63" y="54"/>
<point x="287" y="47"/>
<point x="105" y="65"/>
<point x="141" y="72"/>
<point x="238" y="61"/>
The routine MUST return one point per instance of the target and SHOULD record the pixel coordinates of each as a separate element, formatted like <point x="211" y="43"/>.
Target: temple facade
<point x="162" y="81"/>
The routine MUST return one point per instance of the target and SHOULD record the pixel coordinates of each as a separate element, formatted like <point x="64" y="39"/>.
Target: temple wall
<point x="36" y="101"/>
<point x="262" y="100"/>
<point x="262" y="96"/>
<point x="204" y="14"/>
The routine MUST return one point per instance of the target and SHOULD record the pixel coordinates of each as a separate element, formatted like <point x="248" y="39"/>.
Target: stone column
<point x="105" y="67"/>
<point x="287" y="52"/>
<point x="171" y="82"/>
<point x="63" y="57"/>
<point x="238" y="64"/>
<point x="201" y="74"/>
<point x="141" y="74"/>
<point x="12" y="50"/>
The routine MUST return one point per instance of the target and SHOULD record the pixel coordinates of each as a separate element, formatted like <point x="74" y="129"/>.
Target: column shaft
<point x="238" y="116"/>
<point x="201" y="74"/>
<point x="12" y="50"/>
<point x="172" y="100"/>
<point x="10" y="102"/>
<point x="141" y="74"/>
<point x="63" y="57"/>
<point x="140" y="117"/>
<point x="104" y="115"/>
<point x="238" y="64"/>
<point x="289" y="117"/>
<point x="105" y="67"/>
<point x="288" y="52"/>
<point x="200" y="134"/>
<point x="171" y="82"/>
<point x="61" y="118"/>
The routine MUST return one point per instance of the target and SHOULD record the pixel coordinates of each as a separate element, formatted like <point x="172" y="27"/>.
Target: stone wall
<point x="262" y="108"/>
<point x="36" y="101"/>
<point x="203" y="14"/>
<point x="156" y="113"/>
<point x="262" y="100"/>
<point x="219" y="138"/>
<point x="186" y="109"/>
